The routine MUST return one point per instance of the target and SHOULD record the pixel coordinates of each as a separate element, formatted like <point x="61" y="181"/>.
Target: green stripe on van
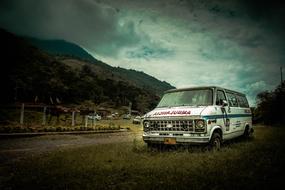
<point x="225" y="116"/>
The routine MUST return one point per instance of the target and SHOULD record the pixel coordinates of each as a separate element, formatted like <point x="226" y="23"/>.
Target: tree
<point x="270" y="106"/>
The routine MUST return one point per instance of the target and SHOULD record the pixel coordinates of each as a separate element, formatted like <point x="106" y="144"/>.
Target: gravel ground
<point x="17" y="148"/>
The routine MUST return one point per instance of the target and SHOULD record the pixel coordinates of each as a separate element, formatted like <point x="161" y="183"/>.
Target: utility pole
<point x="22" y="114"/>
<point x="281" y="75"/>
<point x="282" y="97"/>
<point x="130" y="108"/>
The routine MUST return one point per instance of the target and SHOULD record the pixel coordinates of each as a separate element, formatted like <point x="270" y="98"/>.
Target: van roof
<point x="203" y="87"/>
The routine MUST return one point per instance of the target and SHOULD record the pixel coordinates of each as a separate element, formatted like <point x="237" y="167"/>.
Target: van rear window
<point x="242" y="101"/>
<point x="237" y="100"/>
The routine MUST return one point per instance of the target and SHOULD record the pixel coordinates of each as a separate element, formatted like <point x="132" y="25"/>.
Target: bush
<point x="270" y="106"/>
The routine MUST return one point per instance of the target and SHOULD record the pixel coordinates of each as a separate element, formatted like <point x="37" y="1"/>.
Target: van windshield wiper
<point x="188" y="105"/>
<point x="164" y="106"/>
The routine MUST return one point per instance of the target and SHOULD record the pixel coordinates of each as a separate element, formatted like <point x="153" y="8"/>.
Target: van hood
<point x="175" y="111"/>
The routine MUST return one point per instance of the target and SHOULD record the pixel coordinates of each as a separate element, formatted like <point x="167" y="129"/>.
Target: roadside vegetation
<point x="241" y="164"/>
<point x="102" y="125"/>
<point x="33" y="122"/>
<point x="270" y="106"/>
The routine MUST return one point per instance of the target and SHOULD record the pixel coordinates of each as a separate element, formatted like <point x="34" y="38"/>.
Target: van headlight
<point x="146" y="126"/>
<point x="200" y="125"/>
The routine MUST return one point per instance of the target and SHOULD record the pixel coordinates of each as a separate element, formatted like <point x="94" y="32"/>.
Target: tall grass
<point x="241" y="164"/>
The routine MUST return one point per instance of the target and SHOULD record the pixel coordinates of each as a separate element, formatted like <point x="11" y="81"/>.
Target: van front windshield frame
<point x="189" y="97"/>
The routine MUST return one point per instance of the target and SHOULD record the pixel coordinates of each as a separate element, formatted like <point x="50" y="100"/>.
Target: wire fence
<point x="39" y="116"/>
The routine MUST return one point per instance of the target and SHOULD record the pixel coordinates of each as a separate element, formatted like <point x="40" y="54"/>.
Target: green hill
<point x="28" y="72"/>
<point x="60" y="47"/>
<point x="143" y="80"/>
<point x="71" y="53"/>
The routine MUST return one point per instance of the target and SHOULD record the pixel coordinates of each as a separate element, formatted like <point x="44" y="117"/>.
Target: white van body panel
<point x="180" y="123"/>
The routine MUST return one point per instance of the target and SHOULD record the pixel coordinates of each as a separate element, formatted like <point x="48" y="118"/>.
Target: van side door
<point x="233" y="114"/>
<point x="222" y="113"/>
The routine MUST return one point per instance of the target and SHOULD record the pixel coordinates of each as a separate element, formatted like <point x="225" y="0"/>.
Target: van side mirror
<point x="225" y="103"/>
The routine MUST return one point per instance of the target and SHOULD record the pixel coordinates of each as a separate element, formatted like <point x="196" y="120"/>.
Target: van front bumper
<point x="179" y="140"/>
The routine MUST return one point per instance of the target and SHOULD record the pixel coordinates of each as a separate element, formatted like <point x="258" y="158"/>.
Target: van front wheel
<point x="215" y="142"/>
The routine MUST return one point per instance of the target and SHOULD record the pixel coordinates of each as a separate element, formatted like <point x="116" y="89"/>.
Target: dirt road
<point x="17" y="148"/>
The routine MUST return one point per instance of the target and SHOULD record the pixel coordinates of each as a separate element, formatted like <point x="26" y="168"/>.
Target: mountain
<point x="60" y="47"/>
<point x="144" y="80"/>
<point x="27" y="72"/>
<point x="71" y="53"/>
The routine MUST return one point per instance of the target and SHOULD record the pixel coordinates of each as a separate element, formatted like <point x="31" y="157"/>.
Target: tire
<point x="150" y="145"/>
<point x="248" y="133"/>
<point x="155" y="147"/>
<point x="215" y="142"/>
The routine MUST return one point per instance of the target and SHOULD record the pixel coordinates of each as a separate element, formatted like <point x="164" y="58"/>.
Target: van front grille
<point x="186" y="125"/>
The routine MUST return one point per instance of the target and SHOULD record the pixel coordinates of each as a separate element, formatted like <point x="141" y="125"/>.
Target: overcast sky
<point x="234" y="44"/>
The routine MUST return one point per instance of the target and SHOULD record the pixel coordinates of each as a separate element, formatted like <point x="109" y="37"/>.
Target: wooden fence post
<point x="44" y="115"/>
<point x="73" y="119"/>
<point x="86" y="121"/>
<point x="22" y="114"/>
<point x="94" y="119"/>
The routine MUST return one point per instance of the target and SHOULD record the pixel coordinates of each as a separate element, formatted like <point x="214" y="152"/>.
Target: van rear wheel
<point x="248" y="133"/>
<point x="215" y="142"/>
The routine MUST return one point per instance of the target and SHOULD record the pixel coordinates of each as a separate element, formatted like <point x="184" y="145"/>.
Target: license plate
<point x="169" y="141"/>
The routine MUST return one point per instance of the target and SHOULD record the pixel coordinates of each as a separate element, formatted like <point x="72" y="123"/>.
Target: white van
<point x="198" y="115"/>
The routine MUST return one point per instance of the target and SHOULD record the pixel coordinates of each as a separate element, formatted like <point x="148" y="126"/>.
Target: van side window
<point x="232" y="99"/>
<point x="220" y="97"/>
<point x="242" y="101"/>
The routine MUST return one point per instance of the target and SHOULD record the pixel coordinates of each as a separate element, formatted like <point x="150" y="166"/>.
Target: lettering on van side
<point x="177" y="112"/>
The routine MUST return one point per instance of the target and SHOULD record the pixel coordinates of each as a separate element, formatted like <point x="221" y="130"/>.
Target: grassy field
<point x="253" y="164"/>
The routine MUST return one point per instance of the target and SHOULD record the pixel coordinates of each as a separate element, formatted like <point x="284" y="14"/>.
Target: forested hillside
<point x="29" y="74"/>
<point x="72" y="53"/>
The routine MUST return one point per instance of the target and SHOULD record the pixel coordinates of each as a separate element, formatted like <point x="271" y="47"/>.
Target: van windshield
<point x="194" y="97"/>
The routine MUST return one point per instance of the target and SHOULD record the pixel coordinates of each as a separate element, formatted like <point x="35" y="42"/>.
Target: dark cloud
<point x="267" y="14"/>
<point x="150" y="52"/>
<point x="263" y="9"/>
<point x="96" y="25"/>
<point x="90" y="24"/>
